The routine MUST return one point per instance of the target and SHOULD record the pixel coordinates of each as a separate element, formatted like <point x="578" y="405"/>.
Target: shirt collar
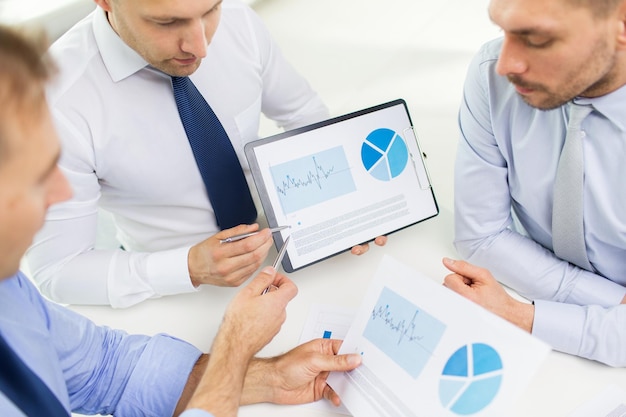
<point x="609" y="105"/>
<point x="120" y="60"/>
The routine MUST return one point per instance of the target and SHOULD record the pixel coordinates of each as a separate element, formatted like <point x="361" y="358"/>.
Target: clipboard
<point x="342" y="182"/>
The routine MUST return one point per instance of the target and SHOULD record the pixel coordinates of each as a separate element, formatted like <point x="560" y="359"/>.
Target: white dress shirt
<point x="125" y="150"/>
<point x="505" y="171"/>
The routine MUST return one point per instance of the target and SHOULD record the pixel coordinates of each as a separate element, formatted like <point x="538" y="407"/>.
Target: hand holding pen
<point x="229" y="264"/>
<point x="245" y="235"/>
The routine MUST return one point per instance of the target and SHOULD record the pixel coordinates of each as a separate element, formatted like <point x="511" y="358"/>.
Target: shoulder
<point x="483" y="65"/>
<point x="490" y="51"/>
<point x="484" y="81"/>
<point x="19" y="298"/>
<point x="239" y="17"/>
<point x="72" y="54"/>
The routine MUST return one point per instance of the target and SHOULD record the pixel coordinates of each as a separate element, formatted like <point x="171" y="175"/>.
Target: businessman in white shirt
<point x="125" y="149"/>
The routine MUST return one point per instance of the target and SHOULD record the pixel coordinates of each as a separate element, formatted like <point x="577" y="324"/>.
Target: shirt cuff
<point x="560" y="325"/>
<point x="196" y="413"/>
<point x="168" y="271"/>
<point x="590" y="289"/>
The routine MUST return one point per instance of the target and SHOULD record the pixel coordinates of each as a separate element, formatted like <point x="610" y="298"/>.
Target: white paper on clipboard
<point x="342" y="182"/>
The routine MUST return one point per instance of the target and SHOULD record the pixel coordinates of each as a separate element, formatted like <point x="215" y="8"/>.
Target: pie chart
<point x="470" y="379"/>
<point x="384" y="154"/>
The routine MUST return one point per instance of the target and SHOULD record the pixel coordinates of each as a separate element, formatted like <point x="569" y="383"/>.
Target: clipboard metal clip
<point x="421" y="170"/>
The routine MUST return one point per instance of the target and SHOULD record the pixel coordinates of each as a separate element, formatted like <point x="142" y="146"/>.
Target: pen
<point x="279" y="258"/>
<point x="245" y="235"/>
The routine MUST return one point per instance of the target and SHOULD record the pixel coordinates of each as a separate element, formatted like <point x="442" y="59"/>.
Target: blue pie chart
<point x="470" y="379"/>
<point x="384" y="154"/>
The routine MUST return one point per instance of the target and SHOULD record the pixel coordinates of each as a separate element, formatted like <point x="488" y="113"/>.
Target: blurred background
<point x="355" y="53"/>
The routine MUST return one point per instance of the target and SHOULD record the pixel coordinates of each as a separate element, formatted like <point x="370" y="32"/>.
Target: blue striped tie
<point x="216" y="158"/>
<point x="25" y="389"/>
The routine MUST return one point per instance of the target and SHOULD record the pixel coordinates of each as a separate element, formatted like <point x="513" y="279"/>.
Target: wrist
<point x="219" y="391"/>
<point x="257" y="387"/>
<point x="196" y="280"/>
<point x="521" y="314"/>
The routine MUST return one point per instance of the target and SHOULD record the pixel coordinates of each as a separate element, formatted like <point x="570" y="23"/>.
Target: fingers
<point x="284" y="287"/>
<point x="463" y="268"/>
<point x="264" y="279"/>
<point x="335" y="345"/>
<point x="331" y="396"/>
<point x="456" y="283"/>
<point x="263" y="239"/>
<point x="237" y="230"/>
<point x="230" y="263"/>
<point x="360" y="249"/>
<point x="278" y="283"/>
<point x="327" y="359"/>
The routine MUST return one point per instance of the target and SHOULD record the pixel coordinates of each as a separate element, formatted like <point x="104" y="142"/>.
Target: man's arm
<point x="67" y="268"/>
<point x="591" y="332"/>
<point x="296" y="377"/>
<point x="251" y="320"/>
<point x="230" y="376"/>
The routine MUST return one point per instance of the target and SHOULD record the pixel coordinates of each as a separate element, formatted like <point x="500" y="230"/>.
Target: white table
<point x="562" y="384"/>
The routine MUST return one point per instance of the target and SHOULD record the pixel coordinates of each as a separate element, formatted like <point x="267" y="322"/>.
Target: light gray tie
<point x="568" y="238"/>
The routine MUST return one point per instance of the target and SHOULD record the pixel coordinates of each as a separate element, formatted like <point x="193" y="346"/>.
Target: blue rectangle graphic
<point x="312" y="179"/>
<point x="403" y="332"/>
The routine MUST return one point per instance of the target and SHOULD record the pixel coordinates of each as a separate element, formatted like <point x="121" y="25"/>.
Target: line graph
<point x="315" y="177"/>
<point x="402" y="328"/>
<point x="312" y="179"/>
<point x="406" y="334"/>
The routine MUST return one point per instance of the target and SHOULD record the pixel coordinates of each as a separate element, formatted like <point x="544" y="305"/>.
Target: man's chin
<point x="545" y="103"/>
<point x="178" y="70"/>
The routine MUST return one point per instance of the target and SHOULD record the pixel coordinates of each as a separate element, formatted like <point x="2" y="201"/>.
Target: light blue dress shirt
<point x="92" y="369"/>
<point x="505" y="169"/>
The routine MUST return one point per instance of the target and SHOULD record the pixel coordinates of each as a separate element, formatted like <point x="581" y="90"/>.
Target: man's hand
<point x="478" y="285"/>
<point x="228" y="264"/>
<point x="298" y="376"/>
<point x="251" y="320"/>
<point x="361" y="249"/>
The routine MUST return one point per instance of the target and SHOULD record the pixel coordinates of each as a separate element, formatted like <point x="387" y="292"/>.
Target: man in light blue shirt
<point x="55" y="361"/>
<point x="513" y="122"/>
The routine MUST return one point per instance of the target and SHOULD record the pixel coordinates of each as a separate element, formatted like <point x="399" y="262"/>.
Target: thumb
<point x="345" y="362"/>
<point x="461" y="267"/>
<point x="263" y="280"/>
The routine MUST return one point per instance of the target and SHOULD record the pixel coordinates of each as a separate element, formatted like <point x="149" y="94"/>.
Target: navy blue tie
<point x="25" y="389"/>
<point x="216" y="158"/>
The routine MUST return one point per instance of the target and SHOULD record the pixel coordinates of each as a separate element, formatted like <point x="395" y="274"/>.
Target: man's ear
<point x="104" y="4"/>
<point x="621" y="28"/>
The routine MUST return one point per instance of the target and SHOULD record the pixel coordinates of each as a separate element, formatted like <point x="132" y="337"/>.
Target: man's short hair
<point x="23" y="73"/>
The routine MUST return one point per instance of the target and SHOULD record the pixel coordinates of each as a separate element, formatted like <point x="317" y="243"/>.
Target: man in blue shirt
<point x="54" y="360"/>
<point x="519" y="90"/>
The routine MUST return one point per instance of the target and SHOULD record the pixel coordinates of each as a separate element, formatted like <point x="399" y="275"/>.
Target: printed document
<point x="429" y="352"/>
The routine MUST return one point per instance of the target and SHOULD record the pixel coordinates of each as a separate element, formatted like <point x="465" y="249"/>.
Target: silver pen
<point x="279" y="258"/>
<point x="245" y="235"/>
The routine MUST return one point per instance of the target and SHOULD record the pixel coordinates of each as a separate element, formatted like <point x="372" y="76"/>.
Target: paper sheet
<point x="429" y="352"/>
<point x="331" y="322"/>
<point x="609" y="403"/>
